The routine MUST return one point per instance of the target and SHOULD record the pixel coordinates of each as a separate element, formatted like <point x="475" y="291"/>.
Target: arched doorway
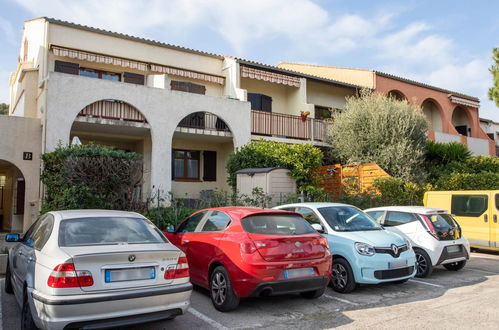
<point x="461" y="122"/>
<point x="12" y="197"/>
<point x="431" y="111"/>
<point x="120" y="125"/>
<point x="397" y="95"/>
<point x="201" y="146"/>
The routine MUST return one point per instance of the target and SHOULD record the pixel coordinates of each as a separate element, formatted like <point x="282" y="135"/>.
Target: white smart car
<point x="435" y="235"/>
<point x="96" y="268"/>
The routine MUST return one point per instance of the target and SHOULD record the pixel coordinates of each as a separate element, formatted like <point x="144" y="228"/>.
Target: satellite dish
<point x="76" y="141"/>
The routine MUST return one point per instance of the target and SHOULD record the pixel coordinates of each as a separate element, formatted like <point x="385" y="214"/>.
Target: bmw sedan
<point x="95" y="268"/>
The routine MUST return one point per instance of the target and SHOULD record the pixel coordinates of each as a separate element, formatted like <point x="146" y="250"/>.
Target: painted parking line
<point x="342" y="300"/>
<point x="430" y="284"/>
<point x="482" y="271"/>
<point x="205" y="318"/>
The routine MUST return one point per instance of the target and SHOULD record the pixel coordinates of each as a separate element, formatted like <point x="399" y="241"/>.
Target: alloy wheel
<point x="340" y="276"/>
<point x="219" y="288"/>
<point x="421" y="264"/>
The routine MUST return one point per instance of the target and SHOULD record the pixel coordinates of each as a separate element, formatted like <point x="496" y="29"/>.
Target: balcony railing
<point x="111" y="109"/>
<point x="288" y="126"/>
<point x="205" y="121"/>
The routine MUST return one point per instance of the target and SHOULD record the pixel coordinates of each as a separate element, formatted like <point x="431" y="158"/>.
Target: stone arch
<point x="433" y="113"/>
<point x="398" y="95"/>
<point x="12" y="197"/>
<point x="462" y="121"/>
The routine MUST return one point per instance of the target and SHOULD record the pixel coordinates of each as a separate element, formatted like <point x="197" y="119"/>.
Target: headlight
<point x="409" y="245"/>
<point x="364" y="249"/>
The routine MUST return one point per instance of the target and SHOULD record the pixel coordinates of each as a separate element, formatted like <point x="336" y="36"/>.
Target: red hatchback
<point x="238" y="252"/>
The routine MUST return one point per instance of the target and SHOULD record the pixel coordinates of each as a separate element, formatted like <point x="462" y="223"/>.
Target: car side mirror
<point x="318" y="227"/>
<point x="12" y="238"/>
<point x="170" y="229"/>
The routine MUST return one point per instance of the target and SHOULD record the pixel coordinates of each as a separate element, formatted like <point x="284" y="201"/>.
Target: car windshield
<point x="347" y="218"/>
<point x="276" y="224"/>
<point x="108" y="231"/>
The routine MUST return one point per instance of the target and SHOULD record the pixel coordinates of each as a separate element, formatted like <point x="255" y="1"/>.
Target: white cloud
<point x="7" y="30"/>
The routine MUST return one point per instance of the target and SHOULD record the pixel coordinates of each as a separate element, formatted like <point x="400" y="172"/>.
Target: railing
<point x="112" y="109"/>
<point x="288" y="126"/>
<point x="205" y="121"/>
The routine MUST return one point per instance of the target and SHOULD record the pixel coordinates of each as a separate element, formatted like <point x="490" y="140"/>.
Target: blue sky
<point x="443" y="43"/>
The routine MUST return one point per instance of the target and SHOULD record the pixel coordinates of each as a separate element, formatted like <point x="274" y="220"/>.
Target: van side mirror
<point x="318" y="227"/>
<point x="12" y="238"/>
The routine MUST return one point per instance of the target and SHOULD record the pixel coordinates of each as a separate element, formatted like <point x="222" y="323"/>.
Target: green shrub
<point x="444" y="153"/>
<point x="469" y="181"/>
<point x="394" y="191"/>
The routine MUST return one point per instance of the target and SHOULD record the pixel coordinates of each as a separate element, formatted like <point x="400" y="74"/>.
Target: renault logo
<point x="395" y="250"/>
<point x="131" y="258"/>
<point x="297" y="244"/>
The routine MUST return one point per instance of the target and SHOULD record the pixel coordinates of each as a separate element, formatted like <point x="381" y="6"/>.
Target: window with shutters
<point x="209" y="165"/>
<point x="186" y="165"/>
<point x="187" y="86"/>
<point x="67" y="67"/>
<point x="100" y="74"/>
<point x="260" y="102"/>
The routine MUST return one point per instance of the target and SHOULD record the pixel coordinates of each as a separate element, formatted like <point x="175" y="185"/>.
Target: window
<point x="217" y="221"/>
<point x="322" y="112"/>
<point x="260" y="102"/>
<point x="66" y="67"/>
<point x="398" y="218"/>
<point x="276" y="224"/>
<point x="189" y="225"/>
<point x="186" y="86"/>
<point x="92" y="73"/>
<point x="43" y="232"/>
<point x="186" y="164"/>
<point x="28" y="236"/>
<point x="376" y="215"/>
<point x="19" y="190"/>
<point x="469" y="205"/>
<point x="209" y="165"/>
<point x="134" y="78"/>
<point x="309" y="215"/>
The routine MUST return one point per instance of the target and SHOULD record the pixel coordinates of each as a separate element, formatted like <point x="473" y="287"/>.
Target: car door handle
<point x="30" y="259"/>
<point x="485" y="218"/>
<point x="20" y="252"/>
<point x="185" y="241"/>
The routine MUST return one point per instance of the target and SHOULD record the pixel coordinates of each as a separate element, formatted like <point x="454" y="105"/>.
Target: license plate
<point x="299" y="272"/>
<point x="397" y="264"/>
<point x="453" y="248"/>
<point x="130" y="274"/>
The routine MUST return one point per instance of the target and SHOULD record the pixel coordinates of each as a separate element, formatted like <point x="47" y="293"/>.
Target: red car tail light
<point x="248" y="247"/>
<point x="267" y="244"/>
<point x="65" y="276"/>
<point x="321" y="241"/>
<point x="181" y="269"/>
<point x="429" y="225"/>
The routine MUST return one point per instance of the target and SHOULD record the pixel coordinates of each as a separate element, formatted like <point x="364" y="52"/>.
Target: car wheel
<point x="313" y="294"/>
<point x="343" y="280"/>
<point x="424" y="267"/>
<point x="27" y="322"/>
<point x="455" y="266"/>
<point x="222" y="295"/>
<point x="8" y="280"/>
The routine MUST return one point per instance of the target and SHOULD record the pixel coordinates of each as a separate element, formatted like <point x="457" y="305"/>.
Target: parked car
<point x="476" y="211"/>
<point x="435" y="235"/>
<point x="239" y="252"/>
<point x="363" y="252"/>
<point x="95" y="268"/>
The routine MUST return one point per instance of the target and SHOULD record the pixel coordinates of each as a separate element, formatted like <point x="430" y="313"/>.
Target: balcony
<point x="113" y="110"/>
<point x="288" y="126"/>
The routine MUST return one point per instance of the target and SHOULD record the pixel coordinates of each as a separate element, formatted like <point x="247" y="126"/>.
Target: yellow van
<point x="476" y="211"/>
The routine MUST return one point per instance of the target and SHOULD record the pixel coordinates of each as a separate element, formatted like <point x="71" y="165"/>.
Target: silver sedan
<point x="74" y="269"/>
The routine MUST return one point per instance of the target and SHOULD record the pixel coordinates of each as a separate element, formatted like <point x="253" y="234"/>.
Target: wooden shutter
<point x="266" y="103"/>
<point x="255" y="100"/>
<point x="67" y="67"/>
<point x="209" y="165"/>
<point x="20" y="196"/>
<point x="134" y="78"/>
<point x="179" y="86"/>
<point x="197" y="89"/>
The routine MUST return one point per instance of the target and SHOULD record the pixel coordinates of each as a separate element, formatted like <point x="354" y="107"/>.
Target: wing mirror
<point x="318" y="227"/>
<point x="12" y="238"/>
<point x="170" y="229"/>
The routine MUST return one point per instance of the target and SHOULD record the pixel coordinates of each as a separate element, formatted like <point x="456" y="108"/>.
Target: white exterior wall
<point x="446" y="138"/>
<point x="478" y="147"/>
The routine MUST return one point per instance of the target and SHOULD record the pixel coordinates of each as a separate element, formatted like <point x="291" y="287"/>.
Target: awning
<point x="187" y="74"/>
<point x="463" y="101"/>
<point x="98" y="58"/>
<point x="274" y="77"/>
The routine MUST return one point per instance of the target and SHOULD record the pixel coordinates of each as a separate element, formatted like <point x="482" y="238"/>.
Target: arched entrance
<point x="201" y="146"/>
<point x="120" y="125"/>
<point x="12" y="197"/>
<point x="397" y="95"/>
<point x="461" y="122"/>
<point x="431" y="111"/>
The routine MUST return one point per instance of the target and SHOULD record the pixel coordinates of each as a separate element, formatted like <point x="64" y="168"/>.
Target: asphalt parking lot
<point x="447" y="300"/>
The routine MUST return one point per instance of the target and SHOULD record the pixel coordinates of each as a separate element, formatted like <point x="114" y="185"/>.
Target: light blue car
<point x="363" y="251"/>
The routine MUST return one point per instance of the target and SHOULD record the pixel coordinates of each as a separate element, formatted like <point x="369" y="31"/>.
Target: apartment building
<point x="453" y="116"/>
<point x="184" y="110"/>
<point x="492" y="129"/>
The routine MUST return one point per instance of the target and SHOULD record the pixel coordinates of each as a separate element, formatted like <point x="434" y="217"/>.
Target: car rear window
<point x="108" y="231"/>
<point x="442" y="222"/>
<point x="276" y="224"/>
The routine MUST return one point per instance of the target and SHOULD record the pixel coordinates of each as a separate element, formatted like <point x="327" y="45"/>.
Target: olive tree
<point x="381" y="129"/>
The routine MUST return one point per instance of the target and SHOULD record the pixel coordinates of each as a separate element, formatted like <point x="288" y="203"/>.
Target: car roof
<point x="410" y="209"/>
<point x="73" y="214"/>
<point x="243" y="212"/>
<point x="314" y="204"/>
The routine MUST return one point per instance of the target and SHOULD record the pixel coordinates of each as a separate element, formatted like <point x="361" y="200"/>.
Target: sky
<point x="443" y="43"/>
